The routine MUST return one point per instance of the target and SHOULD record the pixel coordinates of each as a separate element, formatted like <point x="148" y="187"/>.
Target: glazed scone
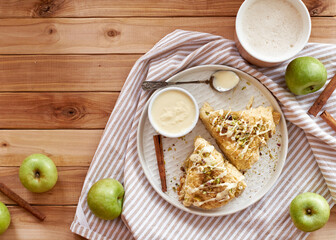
<point x="210" y="181"/>
<point x="240" y="134"/>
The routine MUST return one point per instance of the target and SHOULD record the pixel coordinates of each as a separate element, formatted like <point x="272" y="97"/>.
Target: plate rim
<point x="271" y="182"/>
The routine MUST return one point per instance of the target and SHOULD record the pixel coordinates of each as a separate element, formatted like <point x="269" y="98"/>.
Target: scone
<point x="240" y="134"/>
<point x="210" y="181"/>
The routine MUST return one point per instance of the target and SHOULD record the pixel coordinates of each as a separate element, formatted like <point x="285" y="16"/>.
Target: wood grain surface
<point x="117" y="35"/>
<point x="55" y="110"/>
<point x="55" y="226"/>
<point x="67" y="148"/>
<point x="62" y="66"/>
<point x="103" y="8"/>
<point x="64" y="72"/>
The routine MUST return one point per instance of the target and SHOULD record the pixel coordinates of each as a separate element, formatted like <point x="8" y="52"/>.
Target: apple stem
<point x="37" y="174"/>
<point x="309" y="211"/>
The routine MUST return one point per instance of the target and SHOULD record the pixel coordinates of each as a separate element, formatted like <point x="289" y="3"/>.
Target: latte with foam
<point x="272" y="29"/>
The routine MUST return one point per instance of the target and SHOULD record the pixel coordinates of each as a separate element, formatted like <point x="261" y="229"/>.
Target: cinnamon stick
<point x="21" y="202"/>
<point x="323" y="98"/>
<point x="329" y="119"/>
<point x="160" y="161"/>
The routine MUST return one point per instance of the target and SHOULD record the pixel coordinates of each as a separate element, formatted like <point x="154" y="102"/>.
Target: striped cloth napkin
<point x="310" y="164"/>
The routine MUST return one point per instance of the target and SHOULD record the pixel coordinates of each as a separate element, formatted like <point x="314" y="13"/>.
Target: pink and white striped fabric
<point x="310" y="164"/>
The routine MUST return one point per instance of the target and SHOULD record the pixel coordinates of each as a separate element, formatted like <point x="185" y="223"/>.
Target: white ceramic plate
<point x="259" y="179"/>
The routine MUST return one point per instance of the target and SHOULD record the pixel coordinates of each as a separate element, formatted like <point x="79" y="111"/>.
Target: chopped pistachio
<point x="206" y="154"/>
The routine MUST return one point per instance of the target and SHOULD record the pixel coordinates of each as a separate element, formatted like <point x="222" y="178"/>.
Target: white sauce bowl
<point x="157" y="128"/>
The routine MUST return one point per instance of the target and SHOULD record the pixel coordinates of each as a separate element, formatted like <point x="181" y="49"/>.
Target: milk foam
<point x="271" y="29"/>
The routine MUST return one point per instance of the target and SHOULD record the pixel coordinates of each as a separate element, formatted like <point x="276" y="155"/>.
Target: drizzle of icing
<point x="203" y="161"/>
<point x="240" y="131"/>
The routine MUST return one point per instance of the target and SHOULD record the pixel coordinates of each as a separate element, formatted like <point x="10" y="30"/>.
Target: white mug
<point x="258" y="59"/>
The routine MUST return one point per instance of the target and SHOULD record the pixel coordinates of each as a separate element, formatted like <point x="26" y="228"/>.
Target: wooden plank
<point x="64" y="147"/>
<point x="55" y="227"/>
<point x="321" y="7"/>
<point x="328" y="232"/>
<point x="87" y="8"/>
<point x="119" y="35"/>
<point x="321" y="27"/>
<point x="127" y="35"/>
<point x="47" y="110"/>
<point x="103" y="8"/>
<point x="66" y="191"/>
<point x="64" y="73"/>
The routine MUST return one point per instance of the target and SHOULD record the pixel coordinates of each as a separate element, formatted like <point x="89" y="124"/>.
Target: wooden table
<point x="62" y="65"/>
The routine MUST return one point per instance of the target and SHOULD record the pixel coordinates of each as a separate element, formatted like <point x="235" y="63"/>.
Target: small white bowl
<point x="166" y="134"/>
<point x="251" y="55"/>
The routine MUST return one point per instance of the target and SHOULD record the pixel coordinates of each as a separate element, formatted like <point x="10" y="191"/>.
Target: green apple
<point x="309" y="211"/>
<point x="38" y="173"/>
<point x="105" y="198"/>
<point x="305" y="75"/>
<point x="5" y="218"/>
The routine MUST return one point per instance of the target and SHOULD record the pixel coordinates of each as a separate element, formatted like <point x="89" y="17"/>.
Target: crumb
<point x="233" y="91"/>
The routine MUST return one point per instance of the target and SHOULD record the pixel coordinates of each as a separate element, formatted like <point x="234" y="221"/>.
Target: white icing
<point x="207" y="161"/>
<point x="239" y="131"/>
